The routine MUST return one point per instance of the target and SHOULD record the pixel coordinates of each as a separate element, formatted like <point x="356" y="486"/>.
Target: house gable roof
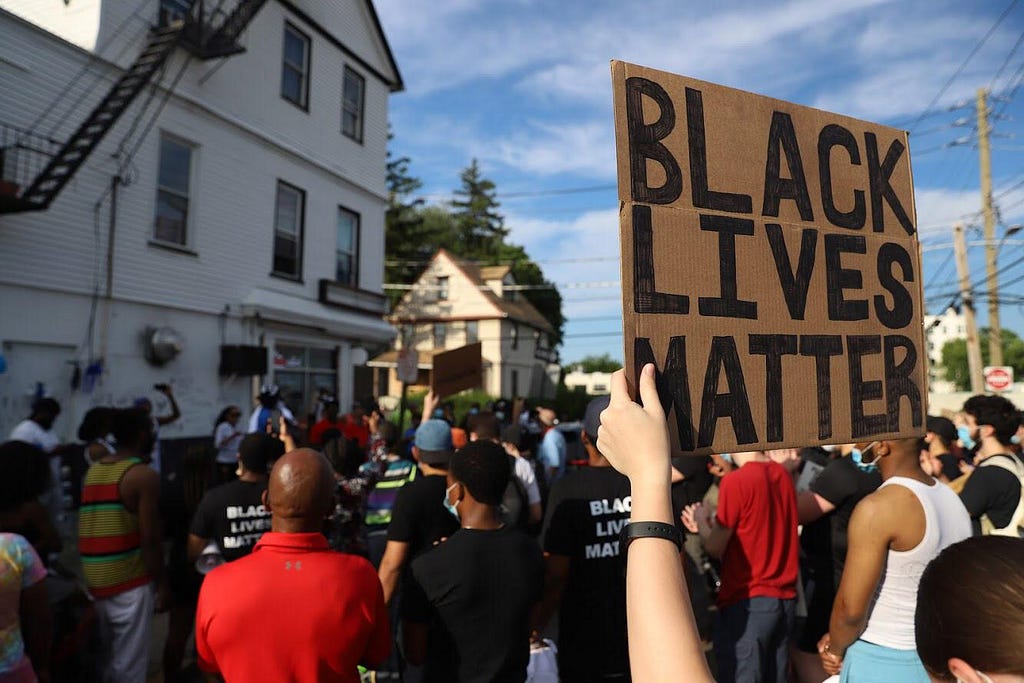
<point x="520" y="310"/>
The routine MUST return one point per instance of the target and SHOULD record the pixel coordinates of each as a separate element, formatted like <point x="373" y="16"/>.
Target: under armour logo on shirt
<point x="288" y="566"/>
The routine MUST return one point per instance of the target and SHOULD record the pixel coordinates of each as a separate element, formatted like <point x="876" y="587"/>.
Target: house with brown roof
<point x="454" y="303"/>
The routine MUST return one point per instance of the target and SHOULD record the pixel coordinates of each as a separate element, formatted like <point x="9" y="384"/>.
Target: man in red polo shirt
<point x="754" y="532"/>
<point x="318" y="614"/>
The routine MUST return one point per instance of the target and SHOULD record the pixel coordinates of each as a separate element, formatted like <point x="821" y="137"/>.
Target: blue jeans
<point x="751" y="638"/>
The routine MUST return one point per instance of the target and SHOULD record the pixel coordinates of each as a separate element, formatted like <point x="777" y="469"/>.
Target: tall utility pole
<point x="995" y="339"/>
<point x="967" y="297"/>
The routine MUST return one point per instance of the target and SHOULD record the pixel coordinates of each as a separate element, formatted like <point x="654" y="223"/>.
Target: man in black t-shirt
<point x="419" y="519"/>
<point x="992" y="494"/>
<point x="825" y="510"/>
<point x="466" y="616"/>
<point x="585" y="575"/>
<point x="232" y="514"/>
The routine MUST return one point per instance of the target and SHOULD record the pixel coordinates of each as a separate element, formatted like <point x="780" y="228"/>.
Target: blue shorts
<point x="866" y="662"/>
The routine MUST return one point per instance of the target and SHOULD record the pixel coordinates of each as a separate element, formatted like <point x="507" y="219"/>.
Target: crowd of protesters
<point x="472" y="548"/>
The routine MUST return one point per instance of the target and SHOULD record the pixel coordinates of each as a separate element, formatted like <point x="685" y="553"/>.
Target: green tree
<point x="954" y="357"/>
<point x="602" y="363"/>
<point x="475" y="210"/>
<point x="403" y="226"/>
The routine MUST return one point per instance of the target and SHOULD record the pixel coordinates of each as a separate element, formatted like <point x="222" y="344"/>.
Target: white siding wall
<point x="246" y="138"/>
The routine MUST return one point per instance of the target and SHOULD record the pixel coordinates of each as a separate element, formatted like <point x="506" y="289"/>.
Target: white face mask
<point x="453" y="508"/>
<point x="981" y="675"/>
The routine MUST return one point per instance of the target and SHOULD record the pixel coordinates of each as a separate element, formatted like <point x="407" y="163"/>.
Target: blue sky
<point x="524" y="87"/>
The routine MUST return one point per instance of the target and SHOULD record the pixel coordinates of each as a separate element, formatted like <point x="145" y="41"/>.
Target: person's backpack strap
<point x="1011" y="464"/>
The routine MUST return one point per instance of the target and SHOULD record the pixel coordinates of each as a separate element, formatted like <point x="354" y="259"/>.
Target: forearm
<point x="844" y="628"/>
<point x="657" y="601"/>
<point x="389" y="575"/>
<point x="175" y="410"/>
<point x="545" y="609"/>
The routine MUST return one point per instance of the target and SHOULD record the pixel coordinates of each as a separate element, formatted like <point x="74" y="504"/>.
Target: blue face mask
<point x="964" y="433"/>
<point x="1015" y="439"/>
<point x="727" y="457"/>
<point x="858" y="459"/>
<point x="452" y="508"/>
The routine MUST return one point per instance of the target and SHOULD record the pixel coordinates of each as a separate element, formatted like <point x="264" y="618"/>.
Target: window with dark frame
<point x="347" y="250"/>
<point x="440" y="335"/>
<point x="289" y="213"/>
<point x="472" y="331"/>
<point x="353" y="94"/>
<point x="170" y="223"/>
<point x="295" y="67"/>
<point x="442" y="288"/>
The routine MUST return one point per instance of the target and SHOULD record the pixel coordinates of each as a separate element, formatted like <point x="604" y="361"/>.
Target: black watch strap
<point x="635" y="530"/>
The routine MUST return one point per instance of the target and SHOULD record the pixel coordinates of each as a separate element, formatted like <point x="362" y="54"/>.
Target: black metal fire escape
<point x="183" y="23"/>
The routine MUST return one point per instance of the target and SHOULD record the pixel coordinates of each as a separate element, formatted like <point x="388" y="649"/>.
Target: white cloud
<point x="570" y="147"/>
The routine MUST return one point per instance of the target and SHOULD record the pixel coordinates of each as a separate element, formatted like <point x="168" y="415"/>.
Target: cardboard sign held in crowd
<point x="457" y="370"/>
<point x="770" y="266"/>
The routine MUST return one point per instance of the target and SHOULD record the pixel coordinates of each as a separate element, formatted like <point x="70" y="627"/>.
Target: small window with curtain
<point x="288" y="227"/>
<point x="172" y="195"/>
<point x="442" y="288"/>
<point x="295" y="67"/>
<point x="346" y="257"/>
<point x="353" y="93"/>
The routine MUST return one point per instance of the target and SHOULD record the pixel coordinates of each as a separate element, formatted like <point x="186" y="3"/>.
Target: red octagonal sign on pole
<point x="998" y="377"/>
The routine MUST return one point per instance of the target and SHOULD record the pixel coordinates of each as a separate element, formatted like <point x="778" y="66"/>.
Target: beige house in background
<point x="454" y="303"/>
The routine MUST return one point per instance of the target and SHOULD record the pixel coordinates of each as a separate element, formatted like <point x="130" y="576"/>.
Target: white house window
<point x="295" y="67"/>
<point x="472" y="331"/>
<point x="172" y="195"/>
<point x="353" y="93"/>
<point x="442" y="288"/>
<point x="440" y="335"/>
<point x="288" y="220"/>
<point x="347" y="250"/>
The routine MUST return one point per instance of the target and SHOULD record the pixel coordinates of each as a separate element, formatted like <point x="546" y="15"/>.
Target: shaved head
<point x="300" y="492"/>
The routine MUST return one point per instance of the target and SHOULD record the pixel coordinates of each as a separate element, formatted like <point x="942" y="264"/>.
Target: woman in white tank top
<point x="893" y="534"/>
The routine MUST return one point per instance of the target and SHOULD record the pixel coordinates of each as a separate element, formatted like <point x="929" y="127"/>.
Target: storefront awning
<point x="292" y="310"/>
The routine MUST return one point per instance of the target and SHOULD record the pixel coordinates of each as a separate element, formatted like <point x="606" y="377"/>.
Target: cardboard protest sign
<point x="458" y="369"/>
<point x="770" y="266"/>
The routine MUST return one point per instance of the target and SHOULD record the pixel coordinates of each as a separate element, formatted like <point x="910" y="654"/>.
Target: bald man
<point x="293" y="610"/>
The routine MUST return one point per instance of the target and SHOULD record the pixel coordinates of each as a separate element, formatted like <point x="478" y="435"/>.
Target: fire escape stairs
<point x="62" y="166"/>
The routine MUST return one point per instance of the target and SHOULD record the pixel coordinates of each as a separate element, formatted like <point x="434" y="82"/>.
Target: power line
<point x="963" y="65"/>
<point x="1006" y="61"/>
<point x="501" y="196"/>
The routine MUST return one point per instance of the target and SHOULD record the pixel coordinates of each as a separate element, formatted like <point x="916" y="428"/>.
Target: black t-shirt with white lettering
<point x="586" y="512"/>
<point x="233" y="515"/>
<point x="476" y="591"/>
<point x="992" y="491"/>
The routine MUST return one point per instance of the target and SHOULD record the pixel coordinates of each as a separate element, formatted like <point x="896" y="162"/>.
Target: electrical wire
<point x="963" y="65"/>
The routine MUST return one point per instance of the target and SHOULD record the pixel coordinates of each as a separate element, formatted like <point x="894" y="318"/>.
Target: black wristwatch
<point x="635" y="530"/>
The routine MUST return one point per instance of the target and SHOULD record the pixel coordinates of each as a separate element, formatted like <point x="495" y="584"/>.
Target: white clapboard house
<point x="190" y="192"/>
<point x="454" y="303"/>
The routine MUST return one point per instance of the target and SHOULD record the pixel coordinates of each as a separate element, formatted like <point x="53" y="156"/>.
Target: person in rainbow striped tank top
<point x="119" y="540"/>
